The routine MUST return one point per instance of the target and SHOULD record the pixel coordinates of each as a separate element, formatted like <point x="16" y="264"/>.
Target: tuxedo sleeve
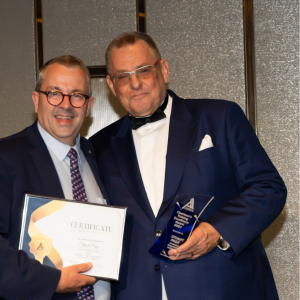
<point x="20" y="276"/>
<point x="262" y="191"/>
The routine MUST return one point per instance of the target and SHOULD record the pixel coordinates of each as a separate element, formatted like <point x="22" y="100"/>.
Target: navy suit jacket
<point x="249" y="195"/>
<point x="26" y="167"/>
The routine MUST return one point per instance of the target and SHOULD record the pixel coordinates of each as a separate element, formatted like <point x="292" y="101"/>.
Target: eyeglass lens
<point x="142" y="73"/>
<point x="77" y="100"/>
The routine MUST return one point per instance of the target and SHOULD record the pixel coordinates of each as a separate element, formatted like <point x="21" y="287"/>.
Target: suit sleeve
<point x="262" y="191"/>
<point x="20" y="276"/>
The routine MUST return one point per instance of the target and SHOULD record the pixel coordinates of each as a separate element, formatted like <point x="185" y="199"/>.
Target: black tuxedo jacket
<point x="26" y="167"/>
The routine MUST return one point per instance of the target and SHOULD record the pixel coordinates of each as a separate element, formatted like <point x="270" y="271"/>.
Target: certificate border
<point x="27" y="197"/>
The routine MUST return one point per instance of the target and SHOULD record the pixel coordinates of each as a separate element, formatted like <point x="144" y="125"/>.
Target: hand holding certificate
<point x="62" y="233"/>
<point x="72" y="280"/>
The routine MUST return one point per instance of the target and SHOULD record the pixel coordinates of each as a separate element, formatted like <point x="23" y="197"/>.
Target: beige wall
<point x="17" y="66"/>
<point x="203" y="43"/>
<point x="84" y="28"/>
<point x="277" y="79"/>
<point x="105" y="111"/>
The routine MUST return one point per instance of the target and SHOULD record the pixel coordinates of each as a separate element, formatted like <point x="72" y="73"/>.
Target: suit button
<point x="157" y="267"/>
<point x="158" y="233"/>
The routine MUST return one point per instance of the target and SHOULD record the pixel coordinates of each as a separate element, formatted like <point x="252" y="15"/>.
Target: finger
<point x="178" y="257"/>
<point x="189" y="255"/>
<point x="198" y="236"/>
<point x="192" y="253"/>
<point x="186" y="247"/>
<point x="190" y="243"/>
<point x="87" y="280"/>
<point x="189" y="246"/>
<point x="81" y="268"/>
<point x="175" y="252"/>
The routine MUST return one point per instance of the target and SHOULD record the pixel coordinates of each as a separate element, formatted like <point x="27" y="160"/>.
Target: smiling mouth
<point x="63" y="118"/>
<point x="139" y="95"/>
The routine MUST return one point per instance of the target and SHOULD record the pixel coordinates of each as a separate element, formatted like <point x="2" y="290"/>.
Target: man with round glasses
<point x="37" y="161"/>
<point x="56" y="98"/>
<point x="168" y="148"/>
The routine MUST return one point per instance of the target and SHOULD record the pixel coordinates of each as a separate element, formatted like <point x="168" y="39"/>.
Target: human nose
<point x="135" y="82"/>
<point x="66" y="103"/>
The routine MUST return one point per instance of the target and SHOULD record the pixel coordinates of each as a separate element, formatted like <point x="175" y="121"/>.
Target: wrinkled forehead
<point x="131" y="57"/>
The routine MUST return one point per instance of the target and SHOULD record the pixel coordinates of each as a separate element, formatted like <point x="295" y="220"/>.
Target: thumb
<point x="197" y="236"/>
<point x="81" y="268"/>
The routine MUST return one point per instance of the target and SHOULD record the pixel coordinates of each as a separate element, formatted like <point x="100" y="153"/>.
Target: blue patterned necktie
<point x="79" y="194"/>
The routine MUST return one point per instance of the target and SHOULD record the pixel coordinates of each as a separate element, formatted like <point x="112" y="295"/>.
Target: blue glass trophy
<point x="179" y="228"/>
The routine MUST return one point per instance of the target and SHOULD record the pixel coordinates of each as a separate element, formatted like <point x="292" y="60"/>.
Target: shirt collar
<point x="58" y="148"/>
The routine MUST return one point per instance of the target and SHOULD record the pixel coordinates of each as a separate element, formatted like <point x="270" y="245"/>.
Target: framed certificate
<point x="60" y="233"/>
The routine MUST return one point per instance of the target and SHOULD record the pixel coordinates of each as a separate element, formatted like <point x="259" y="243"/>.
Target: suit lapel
<point x="125" y="155"/>
<point x="89" y="154"/>
<point x="44" y="164"/>
<point x="181" y="137"/>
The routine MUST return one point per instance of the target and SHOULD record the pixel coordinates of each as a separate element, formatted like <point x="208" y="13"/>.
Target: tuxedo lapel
<point x="44" y="164"/>
<point x="125" y="155"/>
<point x="181" y="137"/>
<point x="89" y="154"/>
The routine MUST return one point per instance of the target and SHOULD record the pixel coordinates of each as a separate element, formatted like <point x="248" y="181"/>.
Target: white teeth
<point x="64" y="118"/>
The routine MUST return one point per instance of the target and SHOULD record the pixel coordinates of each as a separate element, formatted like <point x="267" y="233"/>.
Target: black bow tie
<point x="156" y="116"/>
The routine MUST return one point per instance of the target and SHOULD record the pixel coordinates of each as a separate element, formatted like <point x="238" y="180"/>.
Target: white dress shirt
<point x="151" y="142"/>
<point x="58" y="152"/>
